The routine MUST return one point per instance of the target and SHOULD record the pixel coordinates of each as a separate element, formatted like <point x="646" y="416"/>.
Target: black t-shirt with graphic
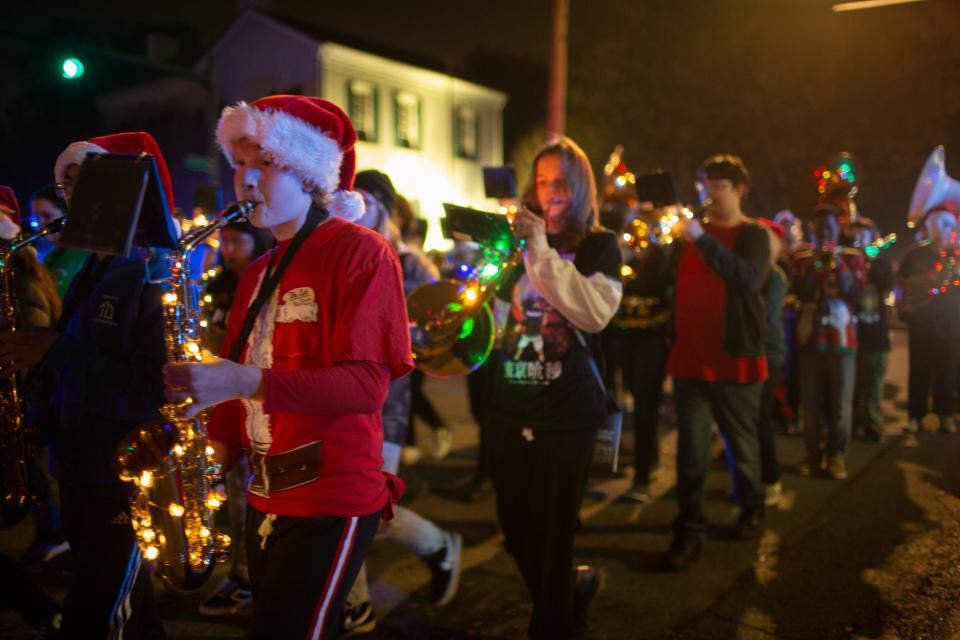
<point x="544" y="379"/>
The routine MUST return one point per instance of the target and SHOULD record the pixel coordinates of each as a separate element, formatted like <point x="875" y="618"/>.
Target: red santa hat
<point x="130" y="142"/>
<point x="311" y="137"/>
<point x="9" y="204"/>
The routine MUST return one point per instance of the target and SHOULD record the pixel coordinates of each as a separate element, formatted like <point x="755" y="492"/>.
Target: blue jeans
<point x="735" y="408"/>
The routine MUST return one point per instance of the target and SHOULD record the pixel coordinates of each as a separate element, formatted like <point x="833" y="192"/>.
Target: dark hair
<point x="379" y="185"/>
<point x="260" y="240"/>
<point x="405" y="216"/>
<point x="613" y="215"/>
<point x="49" y="193"/>
<point x="724" y="167"/>
<point x="28" y="265"/>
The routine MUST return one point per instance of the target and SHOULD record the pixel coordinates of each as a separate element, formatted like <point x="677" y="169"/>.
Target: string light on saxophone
<point x="169" y="460"/>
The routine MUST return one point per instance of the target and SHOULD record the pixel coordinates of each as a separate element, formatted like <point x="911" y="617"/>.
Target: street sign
<point x="203" y="164"/>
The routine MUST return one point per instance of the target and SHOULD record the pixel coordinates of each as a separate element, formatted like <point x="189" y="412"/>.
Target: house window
<point x="362" y="101"/>
<point x="407" y="119"/>
<point x="466" y="132"/>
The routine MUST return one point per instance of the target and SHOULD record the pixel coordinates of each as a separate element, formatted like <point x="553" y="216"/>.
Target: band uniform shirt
<point x="828" y="299"/>
<point x="543" y="378"/>
<point x="701" y="318"/>
<point x="338" y="314"/>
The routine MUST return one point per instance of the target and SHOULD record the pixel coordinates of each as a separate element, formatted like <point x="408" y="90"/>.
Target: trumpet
<point x="878" y="246"/>
<point x="661" y="226"/>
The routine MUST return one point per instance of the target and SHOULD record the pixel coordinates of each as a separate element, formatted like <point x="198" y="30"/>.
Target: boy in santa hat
<point x="317" y="331"/>
<point x="108" y="352"/>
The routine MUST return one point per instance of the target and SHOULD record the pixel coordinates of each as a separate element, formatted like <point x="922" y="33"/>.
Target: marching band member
<point x="827" y="282"/>
<point x="718" y="360"/>
<point x="37" y="305"/>
<point x="439" y="549"/>
<point x="873" y="334"/>
<point x="317" y="331"/>
<point x="642" y="326"/>
<point x="547" y="404"/>
<point x="108" y="352"/>
<point x="931" y="309"/>
<point x="63" y="262"/>
<point x="774" y="292"/>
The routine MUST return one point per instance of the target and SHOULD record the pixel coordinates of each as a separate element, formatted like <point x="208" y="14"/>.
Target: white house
<point x="429" y="131"/>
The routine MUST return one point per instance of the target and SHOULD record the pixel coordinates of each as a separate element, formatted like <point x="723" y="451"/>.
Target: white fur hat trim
<point x="289" y="141"/>
<point x="76" y="153"/>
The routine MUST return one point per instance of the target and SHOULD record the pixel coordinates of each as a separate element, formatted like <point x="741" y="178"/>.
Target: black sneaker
<point x="231" y="596"/>
<point x="586" y="586"/>
<point x="585" y="589"/>
<point x="748" y="525"/>
<point x="355" y="621"/>
<point x="682" y="554"/>
<point x="445" y="568"/>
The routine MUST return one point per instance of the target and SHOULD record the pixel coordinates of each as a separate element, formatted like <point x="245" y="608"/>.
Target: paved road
<point x="876" y="556"/>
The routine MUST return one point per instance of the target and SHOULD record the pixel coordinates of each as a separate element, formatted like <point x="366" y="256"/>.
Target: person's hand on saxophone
<point x="194" y="386"/>
<point x="25" y="348"/>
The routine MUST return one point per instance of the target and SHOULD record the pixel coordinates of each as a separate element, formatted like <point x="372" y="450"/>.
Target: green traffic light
<point x="71" y="68"/>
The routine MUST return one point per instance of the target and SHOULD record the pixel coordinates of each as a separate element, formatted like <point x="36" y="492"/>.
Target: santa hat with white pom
<point x="311" y="137"/>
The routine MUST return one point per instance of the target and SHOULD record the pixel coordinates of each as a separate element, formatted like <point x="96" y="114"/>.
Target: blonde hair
<point x="581" y="214"/>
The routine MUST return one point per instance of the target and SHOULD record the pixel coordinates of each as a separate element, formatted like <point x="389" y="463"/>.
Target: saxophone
<point x="15" y="443"/>
<point x="169" y="460"/>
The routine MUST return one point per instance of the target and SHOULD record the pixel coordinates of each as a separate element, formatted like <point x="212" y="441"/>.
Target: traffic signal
<point x="71" y="68"/>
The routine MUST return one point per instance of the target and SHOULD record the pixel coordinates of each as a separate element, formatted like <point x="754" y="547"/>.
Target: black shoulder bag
<point x="606" y="448"/>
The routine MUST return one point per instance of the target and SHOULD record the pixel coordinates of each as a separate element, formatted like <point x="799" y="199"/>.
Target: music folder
<point x="474" y="225"/>
<point x="119" y="202"/>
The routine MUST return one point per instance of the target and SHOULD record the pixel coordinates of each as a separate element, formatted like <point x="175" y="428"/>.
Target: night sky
<point x="783" y="83"/>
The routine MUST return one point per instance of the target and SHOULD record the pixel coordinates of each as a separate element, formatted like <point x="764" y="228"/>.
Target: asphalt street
<point x="874" y="556"/>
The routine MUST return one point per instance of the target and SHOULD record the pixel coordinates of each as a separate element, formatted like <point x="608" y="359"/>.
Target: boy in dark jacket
<point x="718" y="360"/>
<point x="108" y="351"/>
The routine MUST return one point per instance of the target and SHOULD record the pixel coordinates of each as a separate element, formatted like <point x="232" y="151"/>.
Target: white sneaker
<point x="445" y="569"/>
<point x="411" y="455"/>
<point x="355" y="621"/>
<point x="443" y="441"/>
<point x="948" y="424"/>
<point x="772" y="494"/>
